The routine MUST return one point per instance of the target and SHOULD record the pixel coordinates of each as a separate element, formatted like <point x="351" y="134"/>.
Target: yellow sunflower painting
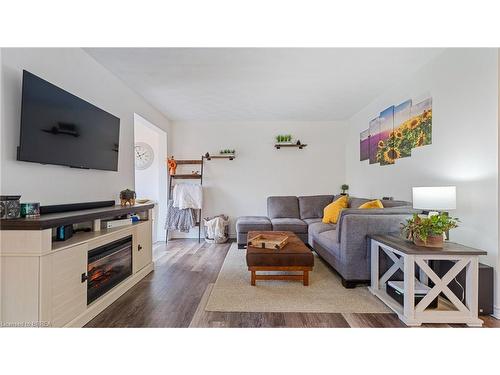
<point x="398" y="130"/>
<point x="391" y="155"/>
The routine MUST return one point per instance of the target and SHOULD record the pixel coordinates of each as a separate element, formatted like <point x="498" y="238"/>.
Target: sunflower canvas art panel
<point x="397" y="131"/>
<point x="364" y="146"/>
<point x="400" y="135"/>
<point x="374" y="139"/>
<point x="421" y="123"/>
<point x="386" y="153"/>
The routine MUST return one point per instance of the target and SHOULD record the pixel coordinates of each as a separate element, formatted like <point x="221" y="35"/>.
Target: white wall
<point x="241" y="186"/>
<point x="151" y="183"/>
<point x="75" y="71"/>
<point x="497" y="308"/>
<point x="463" y="84"/>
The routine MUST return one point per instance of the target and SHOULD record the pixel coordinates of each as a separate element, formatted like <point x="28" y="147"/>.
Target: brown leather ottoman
<point x="295" y="256"/>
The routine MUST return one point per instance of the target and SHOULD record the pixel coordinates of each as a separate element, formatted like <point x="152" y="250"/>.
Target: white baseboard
<point x="179" y="236"/>
<point x="496" y="312"/>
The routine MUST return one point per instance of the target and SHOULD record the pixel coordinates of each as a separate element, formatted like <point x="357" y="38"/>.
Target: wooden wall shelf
<point x="186" y="176"/>
<point x="301" y="146"/>
<point x="187" y="162"/>
<point x="229" y="157"/>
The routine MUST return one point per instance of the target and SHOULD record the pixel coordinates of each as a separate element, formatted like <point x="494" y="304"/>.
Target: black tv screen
<point x="59" y="128"/>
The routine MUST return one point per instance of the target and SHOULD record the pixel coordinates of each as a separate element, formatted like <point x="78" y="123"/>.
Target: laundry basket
<point x="218" y="239"/>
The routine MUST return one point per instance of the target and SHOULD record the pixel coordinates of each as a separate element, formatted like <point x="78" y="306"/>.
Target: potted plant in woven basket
<point x="428" y="231"/>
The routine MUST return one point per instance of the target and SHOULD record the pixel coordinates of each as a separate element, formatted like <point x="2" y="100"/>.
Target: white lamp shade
<point x="439" y="198"/>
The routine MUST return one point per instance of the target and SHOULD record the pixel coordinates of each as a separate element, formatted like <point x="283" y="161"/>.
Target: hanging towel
<point x="181" y="220"/>
<point x="187" y="196"/>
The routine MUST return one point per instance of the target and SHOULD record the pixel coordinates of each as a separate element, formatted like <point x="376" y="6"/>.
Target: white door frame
<point x="161" y="209"/>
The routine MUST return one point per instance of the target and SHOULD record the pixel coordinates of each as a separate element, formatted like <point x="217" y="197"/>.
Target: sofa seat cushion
<point x="328" y="240"/>
<point x="312" y="206"/>
<point x="319" y="227"/>
<point x="330" y="253"/>
<point x="312" y="220"/>
<point x="289" y="224"/>
<point x="283" y="207"/>
<point x="245" y="224"/>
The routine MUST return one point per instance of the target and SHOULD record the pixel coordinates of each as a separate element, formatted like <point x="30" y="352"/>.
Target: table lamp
<point x="435" y="199"/>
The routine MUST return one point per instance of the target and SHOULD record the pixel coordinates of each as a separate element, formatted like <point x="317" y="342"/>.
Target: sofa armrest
<point x="354" y="228"/>
<point x="380" y="211"/>
<point x="354" y="252"/>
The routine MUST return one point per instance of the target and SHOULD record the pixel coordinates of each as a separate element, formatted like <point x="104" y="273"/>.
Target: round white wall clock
<point x="144" y="155"/>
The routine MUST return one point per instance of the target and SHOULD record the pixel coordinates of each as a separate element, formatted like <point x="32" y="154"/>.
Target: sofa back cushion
<point x="286" y="206"/>
<point x="371" y="205"/>
<point x="391" y="203"/>
<point x="312" y="206"/>
<point x="356" y="202"/>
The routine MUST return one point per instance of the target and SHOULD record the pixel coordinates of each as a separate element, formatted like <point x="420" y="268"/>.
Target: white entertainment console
<point x="45" y="282"/>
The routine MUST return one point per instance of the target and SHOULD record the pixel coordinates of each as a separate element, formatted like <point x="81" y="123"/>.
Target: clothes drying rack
<point x="189" y="176"/>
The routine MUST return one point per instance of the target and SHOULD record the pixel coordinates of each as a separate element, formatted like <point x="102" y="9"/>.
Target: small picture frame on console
<point x="30" y="210"/>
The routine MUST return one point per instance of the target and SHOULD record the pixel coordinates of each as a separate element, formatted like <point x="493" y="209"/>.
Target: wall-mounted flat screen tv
<point x="60" y="128"/>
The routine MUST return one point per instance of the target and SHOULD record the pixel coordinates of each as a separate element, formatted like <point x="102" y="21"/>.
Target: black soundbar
<point x="74" y="207"/>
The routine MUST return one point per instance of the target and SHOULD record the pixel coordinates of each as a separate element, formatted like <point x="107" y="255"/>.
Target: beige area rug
<point x="325" y="294"/>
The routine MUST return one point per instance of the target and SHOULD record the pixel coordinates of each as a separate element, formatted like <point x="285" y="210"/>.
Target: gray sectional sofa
<point x="343" y="245"/>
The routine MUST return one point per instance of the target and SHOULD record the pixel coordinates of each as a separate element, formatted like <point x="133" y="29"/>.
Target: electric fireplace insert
<point x="107" y="266"/>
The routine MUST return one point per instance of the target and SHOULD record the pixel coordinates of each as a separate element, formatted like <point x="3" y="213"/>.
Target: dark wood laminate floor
<point x="174" y="295"/>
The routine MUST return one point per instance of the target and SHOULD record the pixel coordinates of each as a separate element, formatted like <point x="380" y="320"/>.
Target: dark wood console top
<point x="71" y="217"/>
<point x="409" y="248"/>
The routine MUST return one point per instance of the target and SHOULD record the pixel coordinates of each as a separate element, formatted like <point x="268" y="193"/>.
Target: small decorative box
<point x="10" y="207"/>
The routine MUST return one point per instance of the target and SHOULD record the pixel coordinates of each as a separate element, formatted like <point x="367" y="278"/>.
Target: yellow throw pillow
<point x="372" y="204"/>
<point x="332" y="211"/>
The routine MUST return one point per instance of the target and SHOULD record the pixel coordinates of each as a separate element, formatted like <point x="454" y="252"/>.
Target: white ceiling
<point x="261" y="84"/>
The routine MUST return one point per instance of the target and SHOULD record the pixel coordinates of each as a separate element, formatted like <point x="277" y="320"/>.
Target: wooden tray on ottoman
<point x="275" y="241"/>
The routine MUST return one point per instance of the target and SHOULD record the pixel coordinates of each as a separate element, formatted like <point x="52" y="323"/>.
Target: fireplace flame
<point x="105" y="269"/>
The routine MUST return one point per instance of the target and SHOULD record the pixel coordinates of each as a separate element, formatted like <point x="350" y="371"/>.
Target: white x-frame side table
<point x="405" y="256"/>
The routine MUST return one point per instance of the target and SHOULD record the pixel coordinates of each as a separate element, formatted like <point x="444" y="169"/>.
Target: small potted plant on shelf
<point x="284" y="139"/>
<point x="428" y="231"/>
<point x="227" y="152"/>
<point x="344" y="188"/>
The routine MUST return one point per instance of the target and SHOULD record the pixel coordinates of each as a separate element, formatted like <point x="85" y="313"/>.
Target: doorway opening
<point x="150" y="152"/>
